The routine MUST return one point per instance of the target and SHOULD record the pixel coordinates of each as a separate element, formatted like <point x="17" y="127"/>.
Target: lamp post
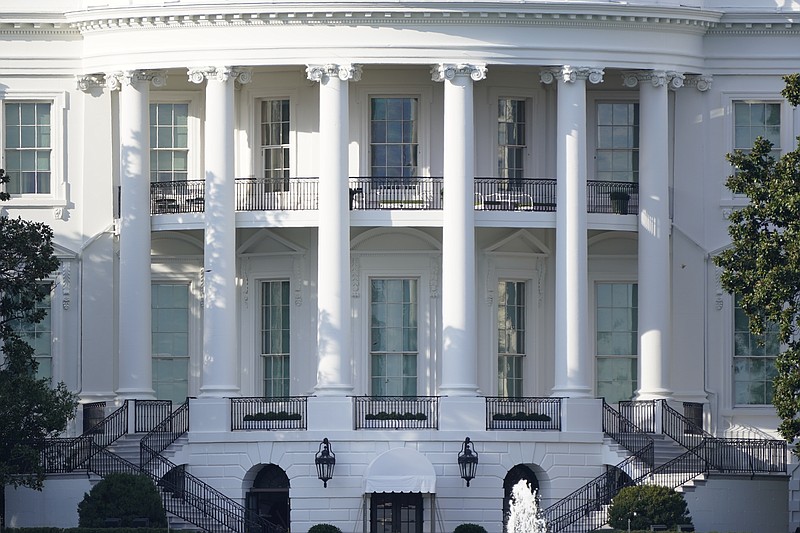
<point x="325" y="460"/>
<point x="467" y="461"/>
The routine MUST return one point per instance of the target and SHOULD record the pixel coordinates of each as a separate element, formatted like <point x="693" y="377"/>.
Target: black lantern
<point x="467" y="461"/>
<point x="325" y="460"/>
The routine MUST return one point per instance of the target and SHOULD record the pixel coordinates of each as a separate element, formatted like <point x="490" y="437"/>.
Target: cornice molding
<point x="563" y="15"/>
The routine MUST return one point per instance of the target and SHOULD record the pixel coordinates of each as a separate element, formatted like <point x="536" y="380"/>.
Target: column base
<point x="136" y="394"/>
<point x="333" y="390"/>
<point x="458" y="390"/>
<point x="572" y="392"/>
<point x="219" y="392"/>
<point x="655" y="394"/>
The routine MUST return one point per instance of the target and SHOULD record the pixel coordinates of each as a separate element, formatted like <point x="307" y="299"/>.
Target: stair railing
<point x="723" y="454"/>
<point x="174" y="426"/>
<point x="111" y="427"/>
<point x="200" y="503"/>
<point x="579" y="506"/>
<point x="627" y="434"/>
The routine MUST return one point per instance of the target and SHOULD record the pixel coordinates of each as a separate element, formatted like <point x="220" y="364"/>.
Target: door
<point x="396" y="512"/>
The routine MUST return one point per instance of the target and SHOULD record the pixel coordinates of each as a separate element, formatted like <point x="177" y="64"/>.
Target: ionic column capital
<point x="345" y="72"/>
<point x="657" y="78"/>
<point x="448" y="71"/>
<point x="224" y="73"/>
<point x="701" y="82"/>
<point x="87" y="82"/>
<point x="570" y="74"/>
<point x="115" y="80"/>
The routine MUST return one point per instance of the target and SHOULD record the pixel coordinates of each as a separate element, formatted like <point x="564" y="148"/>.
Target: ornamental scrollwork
<point x="345" y="72"/>
<point x="445" y="71"/>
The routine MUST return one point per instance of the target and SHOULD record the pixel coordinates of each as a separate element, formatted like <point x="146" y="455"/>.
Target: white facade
<point x="297" y="220"/>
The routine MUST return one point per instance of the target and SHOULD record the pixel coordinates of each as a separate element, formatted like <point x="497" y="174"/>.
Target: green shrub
<point x="652" y="505"/>
<point x="123" y="496"/>
<point x="469" y="528"/>
<point x="324" y="528"/>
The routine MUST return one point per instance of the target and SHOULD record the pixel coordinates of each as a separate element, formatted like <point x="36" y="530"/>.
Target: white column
<point x="459" y="343"/>
<point x="334" y="364"/>
<point x="220" y="359"/>
<point x="573" y="361"/>
<point x="135" y="366"/>
<point x="654" y="232"/>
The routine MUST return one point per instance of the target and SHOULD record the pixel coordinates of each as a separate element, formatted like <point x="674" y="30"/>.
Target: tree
<point x="762" y="266"/>
<point x="31" y="410"/>
<point x="123" y="496"/>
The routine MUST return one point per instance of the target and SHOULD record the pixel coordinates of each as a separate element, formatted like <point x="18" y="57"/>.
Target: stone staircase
<point x="127" y="447"/>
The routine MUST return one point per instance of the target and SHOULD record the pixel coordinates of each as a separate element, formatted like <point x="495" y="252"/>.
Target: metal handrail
<point x="523" y="413"/>
<point x="111" y="428"/>
<point x="149" y="413"/>
<point x="174" y="426"/>
<point x="396" y="412"/>
<point x="269" y="413"/>
<point x="626" y="433"/>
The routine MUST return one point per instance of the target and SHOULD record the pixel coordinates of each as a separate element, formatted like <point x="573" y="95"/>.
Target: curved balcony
<point x="366" y="193"/>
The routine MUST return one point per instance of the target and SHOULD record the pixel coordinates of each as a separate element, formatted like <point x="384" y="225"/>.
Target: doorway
<point x="269" y="497"/>
<point x="393" y="512"/>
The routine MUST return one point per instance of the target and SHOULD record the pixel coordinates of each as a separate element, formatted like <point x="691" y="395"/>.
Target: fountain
<point x="525" y="516"/>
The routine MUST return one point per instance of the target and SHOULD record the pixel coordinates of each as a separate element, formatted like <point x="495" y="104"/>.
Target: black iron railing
<point x="413" y="193"/>
<point x="269" y="413"/>
<point x="627" y="434"/>
<point x="580" y="509"/>
<point x="521" y="194"/>
<point x="641" y="412"/>
<point x="170" y="429"/>
<point x="523" y="413"/>
<point x="397" y="412"/>
<point x="374" y="193"/>
<point x="64" y="455"/>
<point x="150" y="413"/>
<point x="619" y="198"/>
<point x="111" y="428"/>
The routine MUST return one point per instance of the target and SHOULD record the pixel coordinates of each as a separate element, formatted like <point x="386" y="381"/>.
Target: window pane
<point x="753" y="360"/>
<point x="393" y="336"/>
<point x="170" y="340"/>
<point x="617" y="141"/>
<point x="616" y="340"/>
<point x="275" y="337"/>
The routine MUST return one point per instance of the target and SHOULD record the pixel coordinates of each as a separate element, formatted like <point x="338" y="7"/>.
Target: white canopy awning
<point x="400" y="470"/>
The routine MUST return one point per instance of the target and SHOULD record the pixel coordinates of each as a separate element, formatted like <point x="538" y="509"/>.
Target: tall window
<point x="616" y="342"/>
<point x="170" y="330"/>
<point x="169" y="142"/>
<point x="757" y="119"/>
<point x="510" y="337"/>
<point x="617" y="153"/>
<point x="275" y="337"/>
<point x="393" y="137"/>
<point x="511" y="140"/>
<point x="39" y="336"/>
<point x="753" y="360"/>
<point x="393" y="337"/>
<point x="28" y="147"/>
<point x="275" y="143"/>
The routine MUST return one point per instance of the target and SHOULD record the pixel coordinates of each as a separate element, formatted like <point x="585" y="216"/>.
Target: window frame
<point x="194" y="161"/>
<point x="593" y="99"/>
<point x="249" y="159"/>
<point x="767" y="358"/>
<point x="593" y="302"/>
<point x="261" y="357"/>
<point x="424" y="96"/>
<point x="728" y="198"/>
<point x="188" y="357"/>
<point x="520" y="357"/>
<point x="419" y="352"/>
<point x="57" y="197"/>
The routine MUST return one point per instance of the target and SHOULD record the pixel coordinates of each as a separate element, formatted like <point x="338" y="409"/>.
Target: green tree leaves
<point x="762" y="265"/>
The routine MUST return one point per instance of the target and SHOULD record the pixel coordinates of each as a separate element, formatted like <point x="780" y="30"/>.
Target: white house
<point x="399" y="226"/>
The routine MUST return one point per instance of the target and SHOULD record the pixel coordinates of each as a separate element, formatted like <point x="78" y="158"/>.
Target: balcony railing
<point x="523" y="413"/>
<point x="397" y="412"/>
<point x="268" y="413"/>
<point x="415" y="194"/>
